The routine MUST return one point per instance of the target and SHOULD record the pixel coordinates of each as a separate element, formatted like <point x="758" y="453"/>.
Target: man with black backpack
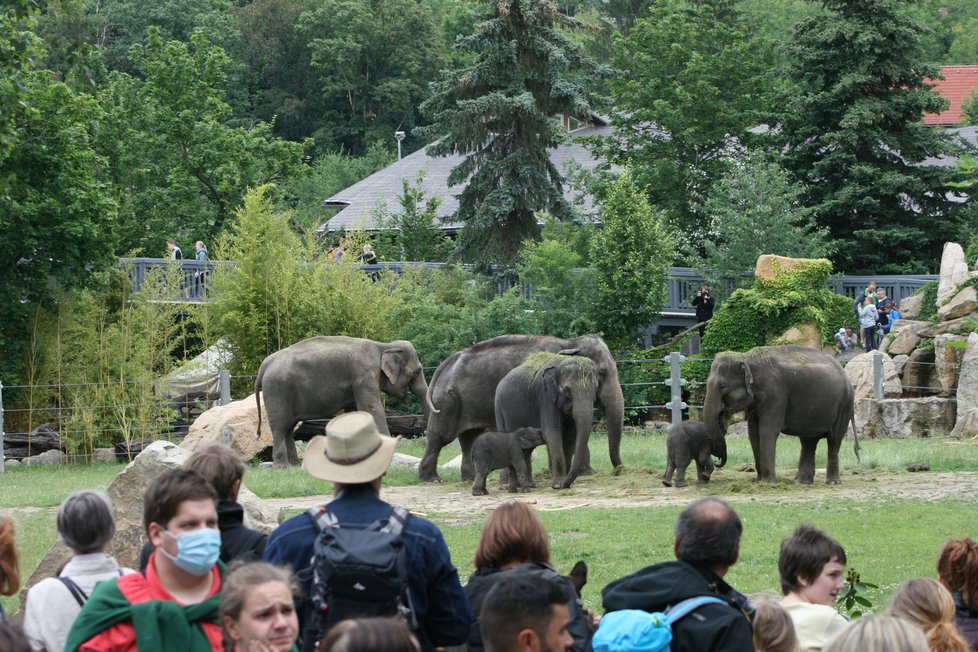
<point x="707" y="545"/>
<point x="358" y="556"/>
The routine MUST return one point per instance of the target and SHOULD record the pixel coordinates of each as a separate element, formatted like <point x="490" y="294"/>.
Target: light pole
<point x="399" y="136"/>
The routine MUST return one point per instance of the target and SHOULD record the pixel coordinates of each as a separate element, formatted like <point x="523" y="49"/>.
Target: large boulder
<point x="906" y="417"/>
<point x="234" y="424"/>
<point x="907" y="338"/>
<point x="126" y="492"/>
<point x="910" y="306"/>
<point x="953" y="326"/>
<point x="899" y="362"/>
<point x="859" y="371"/>
<point x="774" y="271"/>
<point x="962" y="304"/>
<point x="954" y="271"/>
<point x="967" y="417"/>
<point x="919" y="374"/>
<point x="803" y="335"/>
<point x="948" y="353"/>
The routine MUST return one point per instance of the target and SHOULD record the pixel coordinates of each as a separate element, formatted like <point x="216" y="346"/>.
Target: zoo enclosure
<point x="643" y="382"/>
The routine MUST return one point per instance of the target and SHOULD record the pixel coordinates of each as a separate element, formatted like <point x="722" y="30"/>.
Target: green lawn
<point x="888" y="538"/>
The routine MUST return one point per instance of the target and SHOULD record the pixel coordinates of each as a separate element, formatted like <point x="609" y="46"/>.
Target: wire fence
<point x="661" y="388"/>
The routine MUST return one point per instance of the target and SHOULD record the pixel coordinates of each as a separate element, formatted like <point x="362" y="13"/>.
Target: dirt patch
<point x="642" y="489"/>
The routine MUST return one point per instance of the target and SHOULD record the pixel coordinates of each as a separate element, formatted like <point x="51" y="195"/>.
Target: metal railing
<point x="683" y="281"/>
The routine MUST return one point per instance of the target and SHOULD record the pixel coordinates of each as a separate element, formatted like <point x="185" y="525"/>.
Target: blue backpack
<point x="634" y="630"/>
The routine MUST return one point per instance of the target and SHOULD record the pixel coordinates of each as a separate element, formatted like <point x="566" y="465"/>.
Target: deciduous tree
<point x="692" y="86"/>
<point x="632" y="255"/>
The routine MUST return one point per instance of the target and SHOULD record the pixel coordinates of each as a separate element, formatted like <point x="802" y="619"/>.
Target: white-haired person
<point x="86" y="525"/>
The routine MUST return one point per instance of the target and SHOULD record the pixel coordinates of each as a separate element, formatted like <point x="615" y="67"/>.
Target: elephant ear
<point x="748" y="380"/>
<point x="390" y="363"/>
<point x="551" y="383"/>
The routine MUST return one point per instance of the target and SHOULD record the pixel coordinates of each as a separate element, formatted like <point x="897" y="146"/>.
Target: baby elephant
<point x="687" y="441"/>
<point x="504" y="450"/>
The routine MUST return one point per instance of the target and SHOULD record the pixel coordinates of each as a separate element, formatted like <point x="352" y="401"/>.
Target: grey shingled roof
<point x="384" y="187"/>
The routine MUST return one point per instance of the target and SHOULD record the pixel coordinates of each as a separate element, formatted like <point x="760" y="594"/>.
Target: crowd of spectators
<point x="185" y="598"/>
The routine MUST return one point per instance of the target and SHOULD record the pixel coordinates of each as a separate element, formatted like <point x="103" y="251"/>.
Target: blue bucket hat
<point x="632" y="630"/>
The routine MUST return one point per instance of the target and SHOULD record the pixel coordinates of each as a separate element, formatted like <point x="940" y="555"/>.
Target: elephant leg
<point x="516" y="478"/>
<point x="768" y="438"/>
<point x="670" y="469"/>
<point x="528" y="462"/>
<point x="283" y="444"/>
<point x="368" y="400"/>
<point x="681" y="463"/>
<point x="428" y="469"/>
<point x="753" y="434"/>
<point x="479" y="484"/>
<point x="466" y="439"/>
<point x="587" y="469"/>
<point x="806" y="461"/>
<point x="832" y="467"/>
<point x="290" y="449"/>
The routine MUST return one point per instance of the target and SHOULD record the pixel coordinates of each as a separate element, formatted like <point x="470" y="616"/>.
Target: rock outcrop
<point x="902" y="418"/>
<point x="967" y="392"/>
<point x="234" y="424"/>
<point x="860" y="372"/>
<point x="954" y="271"/>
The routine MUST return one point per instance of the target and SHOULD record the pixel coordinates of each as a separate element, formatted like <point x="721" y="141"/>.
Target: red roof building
<point x="956" y="86"/>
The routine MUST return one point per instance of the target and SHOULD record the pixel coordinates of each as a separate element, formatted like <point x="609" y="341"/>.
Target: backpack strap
<point x="323" y="518"/>
<point x="689" y="605"/>
<point x="75" y="590"/>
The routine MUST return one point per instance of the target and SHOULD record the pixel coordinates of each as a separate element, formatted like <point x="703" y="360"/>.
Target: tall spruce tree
<point x="501" y="111"/>
<point x="852" y="133"/>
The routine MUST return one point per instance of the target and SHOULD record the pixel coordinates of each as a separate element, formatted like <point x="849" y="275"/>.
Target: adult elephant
<point x="556" y="394"/>
<point x="463" y="389"/>
<point x="318" y="377"/>
<point x="793" y="390"/>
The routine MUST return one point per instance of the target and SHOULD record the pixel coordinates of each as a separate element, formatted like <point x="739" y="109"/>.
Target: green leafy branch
<point x="852" y="601"/>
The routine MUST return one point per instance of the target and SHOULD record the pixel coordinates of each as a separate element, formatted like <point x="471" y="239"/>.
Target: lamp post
<point x="399" y="136"/>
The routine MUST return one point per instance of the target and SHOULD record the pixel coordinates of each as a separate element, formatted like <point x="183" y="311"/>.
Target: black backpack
<point x="358" y="572"/>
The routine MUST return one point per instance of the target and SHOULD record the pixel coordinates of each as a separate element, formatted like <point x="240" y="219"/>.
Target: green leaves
<point x="632" y="255"/>
<point x="852" y="600"/>
<point x="852" y="134"/>
<point x="499" y="111"/>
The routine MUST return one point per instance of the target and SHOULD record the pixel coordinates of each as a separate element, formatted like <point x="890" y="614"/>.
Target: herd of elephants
<point x="502" y="397"/>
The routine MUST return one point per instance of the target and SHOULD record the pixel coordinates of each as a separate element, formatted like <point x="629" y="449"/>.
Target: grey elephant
<point x="464" y="386"/>
<point x="320" y="376"/>
<point x="793" y="390"/>
<point x="505" y="450"/>
<point x="688" y="441"/>
<point x="555" y="393"/>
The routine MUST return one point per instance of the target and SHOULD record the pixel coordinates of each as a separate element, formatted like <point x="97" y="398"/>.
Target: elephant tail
<point x="431" y="406"/>
<point x="855" y="437"/>
<point x="258" y="401"/>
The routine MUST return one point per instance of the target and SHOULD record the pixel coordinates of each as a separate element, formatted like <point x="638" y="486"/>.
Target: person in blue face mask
<point x="173" y="605"/>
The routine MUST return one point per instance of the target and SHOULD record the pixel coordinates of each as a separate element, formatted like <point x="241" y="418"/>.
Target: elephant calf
<point x="688" y="441"/>
<point x="504" y="450"/>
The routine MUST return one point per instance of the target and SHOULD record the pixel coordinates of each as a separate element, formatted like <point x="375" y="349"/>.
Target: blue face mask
<point x="197" y="550"/>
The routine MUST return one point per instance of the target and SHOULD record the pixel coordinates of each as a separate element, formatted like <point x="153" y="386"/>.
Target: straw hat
<point x="352" y="452"/>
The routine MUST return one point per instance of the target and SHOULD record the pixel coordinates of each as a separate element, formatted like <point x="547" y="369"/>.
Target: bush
<point x="283" y="289"/>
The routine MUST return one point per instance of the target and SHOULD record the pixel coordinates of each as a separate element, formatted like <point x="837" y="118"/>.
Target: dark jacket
<point x="581" y="624"/>
<point x="704" y="307"/>
<point x="967" y="621"/>
<point x="237" y="540"/>
<point x="436" y="593"/>
<point x="711" y="628"/>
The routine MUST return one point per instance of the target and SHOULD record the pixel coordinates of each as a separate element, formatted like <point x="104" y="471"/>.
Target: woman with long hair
<point x="9" y="569"/>
<point x="514" y="540"/>
<point x="929" y="606"/>
<point x="957" y="570"/>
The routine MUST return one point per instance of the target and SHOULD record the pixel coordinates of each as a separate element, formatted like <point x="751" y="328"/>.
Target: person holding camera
<point x="703" y="303"/>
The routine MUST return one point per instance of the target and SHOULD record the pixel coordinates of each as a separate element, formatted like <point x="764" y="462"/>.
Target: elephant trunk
<point x="583" y="423"/>
<point x="716" y="426"/>
<point x="419" y="387"/>
<point x="613" y="403"/>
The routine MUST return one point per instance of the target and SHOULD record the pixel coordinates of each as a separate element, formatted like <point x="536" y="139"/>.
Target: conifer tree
<point x="501" y="111"/>
<point x="852" y="133"/>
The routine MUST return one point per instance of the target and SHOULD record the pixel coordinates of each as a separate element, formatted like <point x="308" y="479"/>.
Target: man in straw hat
<point x="354" y="456"/>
